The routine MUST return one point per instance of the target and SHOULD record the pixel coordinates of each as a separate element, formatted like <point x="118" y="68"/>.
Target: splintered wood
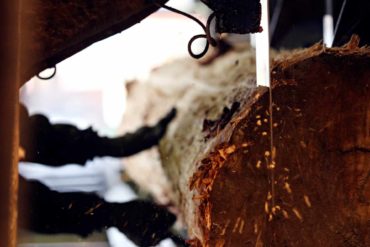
<point x="321" y="153"/>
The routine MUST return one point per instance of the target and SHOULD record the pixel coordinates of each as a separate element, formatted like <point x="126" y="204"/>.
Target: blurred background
<point x="89" y="90"/>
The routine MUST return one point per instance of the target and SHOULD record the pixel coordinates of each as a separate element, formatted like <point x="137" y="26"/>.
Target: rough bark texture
<point x="311" y="188"/>
<point x="53" y="30"/>
<point x="174" y="84"/>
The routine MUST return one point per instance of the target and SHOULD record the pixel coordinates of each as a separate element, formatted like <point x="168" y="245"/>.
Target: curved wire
<point x="206" y="28"/>
<point x="339" y="20"/>
<point x="48" y="77"/>
<point x="275" y="18"/>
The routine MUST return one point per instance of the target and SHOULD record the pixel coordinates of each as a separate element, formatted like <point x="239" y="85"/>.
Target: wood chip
<point x="286" y="215"/>
<point x="307" y="201"/>
<point x="241" y="227"/>
<point x="273" y="153"/>
<point x="258" y="165"/>
<point x="236" y="226"/>
<point x="231" y="149"/>
<point x="267" y="207"/>
<point x="287" y="187"/>
<point x="269" y="196"/>
<point x="298" y="214"/>
<point x="271" y="217"/>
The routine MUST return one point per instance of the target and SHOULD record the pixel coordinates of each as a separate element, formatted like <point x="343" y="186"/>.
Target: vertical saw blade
<point x="263" y="49"/>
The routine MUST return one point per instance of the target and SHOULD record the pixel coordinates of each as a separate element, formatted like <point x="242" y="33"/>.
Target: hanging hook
<point x="207" y="30"/>
<point x="50" y="76"/>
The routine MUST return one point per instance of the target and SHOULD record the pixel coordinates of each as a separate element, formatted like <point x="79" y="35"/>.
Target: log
<point x="299" y="175"/>
<point x="55" y="30"/>
<point x="147" y="100"/>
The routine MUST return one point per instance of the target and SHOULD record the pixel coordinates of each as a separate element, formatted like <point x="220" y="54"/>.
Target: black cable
<point x="210" y="41"/>
<point x="50" y="76"/>
<point x="207" y="30"/>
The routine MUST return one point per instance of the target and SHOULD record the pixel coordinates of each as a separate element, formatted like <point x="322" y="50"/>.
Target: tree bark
<point x="309" y="186"/>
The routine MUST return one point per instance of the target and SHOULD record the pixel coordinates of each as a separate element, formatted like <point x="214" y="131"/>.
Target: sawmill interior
<point x="173" y="123"/>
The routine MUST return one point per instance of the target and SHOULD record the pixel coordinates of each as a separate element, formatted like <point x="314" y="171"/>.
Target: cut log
<point x="311" y="187"/>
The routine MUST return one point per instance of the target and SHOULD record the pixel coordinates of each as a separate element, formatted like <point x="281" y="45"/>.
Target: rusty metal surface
<point x="9" y="68"/>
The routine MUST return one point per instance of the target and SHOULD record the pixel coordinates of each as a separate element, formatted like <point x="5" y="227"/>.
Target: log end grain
<point x="320" y="159"/>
